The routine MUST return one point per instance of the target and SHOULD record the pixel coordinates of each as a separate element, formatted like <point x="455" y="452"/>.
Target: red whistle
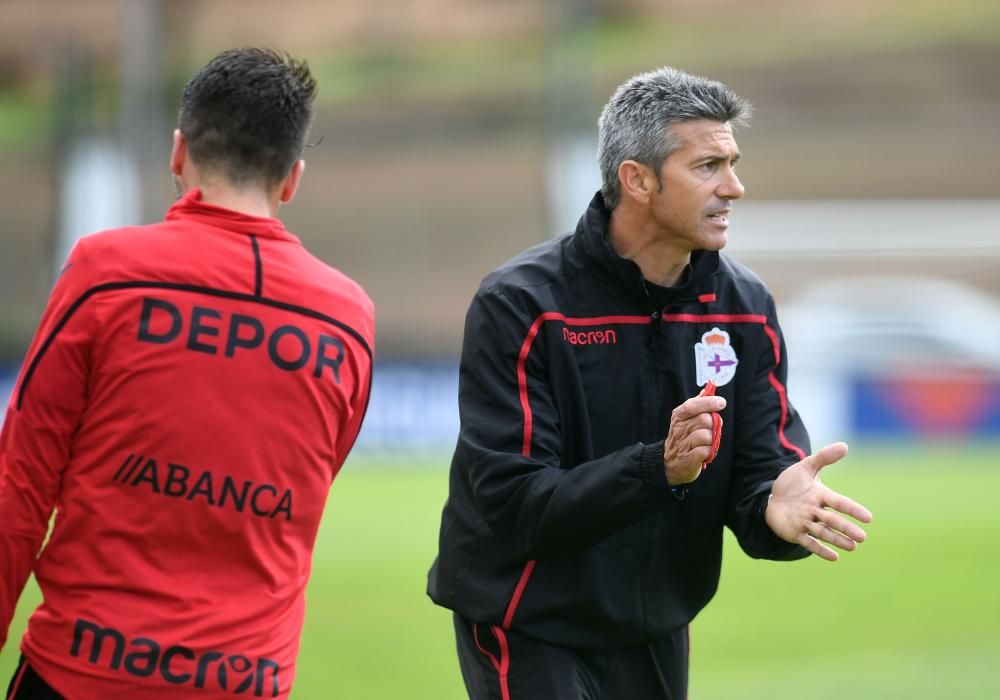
<point x="709" y="390"/>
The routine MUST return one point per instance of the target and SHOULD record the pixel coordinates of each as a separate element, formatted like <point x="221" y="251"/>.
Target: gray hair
<point x="635" y="123"/>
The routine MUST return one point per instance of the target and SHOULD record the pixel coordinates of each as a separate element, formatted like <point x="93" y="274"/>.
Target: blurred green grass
<point x="914" y="614"/>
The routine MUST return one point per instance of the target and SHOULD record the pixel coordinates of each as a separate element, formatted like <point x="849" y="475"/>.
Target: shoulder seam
<point x="258" y="267"/>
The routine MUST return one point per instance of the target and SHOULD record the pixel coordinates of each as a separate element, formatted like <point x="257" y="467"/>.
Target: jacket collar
<point x="191" y="206"/>
<point x="592" y="236"/>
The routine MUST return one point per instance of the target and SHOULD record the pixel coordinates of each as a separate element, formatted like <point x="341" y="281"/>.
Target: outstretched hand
<point x="804" y="511"/>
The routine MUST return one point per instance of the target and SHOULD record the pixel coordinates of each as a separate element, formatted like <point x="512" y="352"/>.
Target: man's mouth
<point x="719" y="217"/>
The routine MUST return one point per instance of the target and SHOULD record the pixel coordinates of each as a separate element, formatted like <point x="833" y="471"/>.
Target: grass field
<point x="914" y="614"/>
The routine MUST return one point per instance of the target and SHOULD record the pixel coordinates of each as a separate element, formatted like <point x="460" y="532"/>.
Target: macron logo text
<point x="608" y="337"/>
<point x="178" y="665"/>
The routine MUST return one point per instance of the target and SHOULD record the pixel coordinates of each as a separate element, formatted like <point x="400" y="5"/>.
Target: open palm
<point x="804" y="511"/>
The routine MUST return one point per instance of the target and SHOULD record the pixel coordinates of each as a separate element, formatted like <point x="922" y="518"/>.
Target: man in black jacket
<point x="589" y="486"/>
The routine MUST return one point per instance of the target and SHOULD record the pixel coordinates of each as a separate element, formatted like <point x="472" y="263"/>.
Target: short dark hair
<point x="246" y="113"/>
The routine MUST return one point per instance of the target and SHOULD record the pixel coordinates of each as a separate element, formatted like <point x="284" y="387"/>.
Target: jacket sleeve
<point x="44" y="411"/>
<point x="510" y="444"/>
<point x="769" y="437"/>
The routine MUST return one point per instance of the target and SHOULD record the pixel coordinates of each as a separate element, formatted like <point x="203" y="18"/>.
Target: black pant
<point x="504" y="665"/>
<point x="28" y="685"/>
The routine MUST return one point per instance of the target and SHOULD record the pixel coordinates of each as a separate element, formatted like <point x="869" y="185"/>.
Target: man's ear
<point x="291" y="182"/>
<point x="637" y="181"/>
<point x="178" y="153"/>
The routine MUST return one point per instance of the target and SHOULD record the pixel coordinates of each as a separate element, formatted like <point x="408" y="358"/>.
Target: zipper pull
<point x="654" y="319"/>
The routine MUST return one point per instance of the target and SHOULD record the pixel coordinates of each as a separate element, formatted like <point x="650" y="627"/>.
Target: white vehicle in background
<point x="901" y="330"/>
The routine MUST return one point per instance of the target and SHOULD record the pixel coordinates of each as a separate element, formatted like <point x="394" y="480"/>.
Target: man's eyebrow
<point x="716" y="158"/>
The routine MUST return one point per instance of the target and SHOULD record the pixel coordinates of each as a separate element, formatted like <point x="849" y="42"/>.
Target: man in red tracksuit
<point x="191" y="393"/>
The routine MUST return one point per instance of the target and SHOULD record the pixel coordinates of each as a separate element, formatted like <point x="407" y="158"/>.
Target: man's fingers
<point x="846" y="506"/>
<point x="700" y="455"/>
<point x="827" y="456"/>
<point x="812" y="545"/>
<point x="682" y="430"/>
<point x="697" y="405"/>
<point x="820" y="531"/>
<point x="841" y="524"/>
<point x="697" y="447"/>
<point x="700" y="438"/>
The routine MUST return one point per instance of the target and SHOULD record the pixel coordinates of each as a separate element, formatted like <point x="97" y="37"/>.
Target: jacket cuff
<point x="772" y="546"/>
<point x="654" y="476"/>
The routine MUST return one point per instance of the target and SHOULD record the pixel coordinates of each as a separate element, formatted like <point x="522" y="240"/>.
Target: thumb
<point x="826" y="456"/>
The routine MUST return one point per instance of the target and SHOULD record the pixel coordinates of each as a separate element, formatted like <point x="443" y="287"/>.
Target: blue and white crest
<point x="714" y="358"/>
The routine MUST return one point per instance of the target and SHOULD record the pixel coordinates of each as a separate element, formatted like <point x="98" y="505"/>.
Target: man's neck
<point x="252" y="201"/>
<point x="637" y="239"/>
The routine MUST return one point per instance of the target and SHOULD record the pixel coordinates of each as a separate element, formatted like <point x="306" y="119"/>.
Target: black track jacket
<point x="560" y="523"/>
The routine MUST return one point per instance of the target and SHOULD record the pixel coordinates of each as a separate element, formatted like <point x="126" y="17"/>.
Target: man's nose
<point x="731" y="187"/>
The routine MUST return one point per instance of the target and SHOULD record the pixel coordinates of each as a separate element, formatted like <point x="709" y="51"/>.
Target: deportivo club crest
<point x="715" y="358"/>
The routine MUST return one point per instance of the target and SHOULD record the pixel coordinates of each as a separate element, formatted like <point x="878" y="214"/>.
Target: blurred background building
<point x="453" y="133"/>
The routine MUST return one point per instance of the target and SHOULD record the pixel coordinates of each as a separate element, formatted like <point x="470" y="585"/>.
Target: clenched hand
<point x="689" y="440"/>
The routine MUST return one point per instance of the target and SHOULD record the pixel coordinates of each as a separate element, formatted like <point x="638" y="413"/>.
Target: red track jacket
<point x="191" y="392"/>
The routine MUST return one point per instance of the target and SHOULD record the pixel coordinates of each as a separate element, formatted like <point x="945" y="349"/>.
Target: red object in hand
<point x="709" y="390"/>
